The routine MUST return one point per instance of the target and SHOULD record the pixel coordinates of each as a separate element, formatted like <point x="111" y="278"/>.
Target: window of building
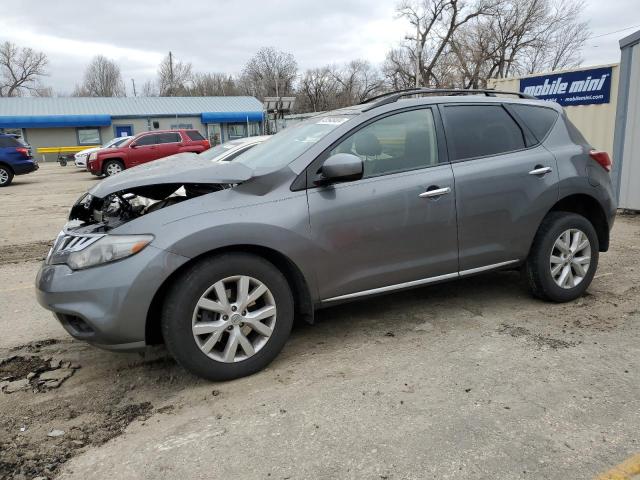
<point x="194" y="135"/>
<point x="89" y="136"/>
<point x="237" y="130"/>
<point x="480" y="130"/>
<point x="181" y="126"/>
<point x="538" y="119"/>
<point x="254" y="129"/>
<point x="397" y="143"/>
<point x="168" y="137"/>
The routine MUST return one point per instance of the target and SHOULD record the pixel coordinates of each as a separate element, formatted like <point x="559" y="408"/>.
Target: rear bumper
<point x="24" y="167"/>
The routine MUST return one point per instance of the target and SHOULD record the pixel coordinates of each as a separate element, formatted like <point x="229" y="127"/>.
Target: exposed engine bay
<point x="104" y="214"/>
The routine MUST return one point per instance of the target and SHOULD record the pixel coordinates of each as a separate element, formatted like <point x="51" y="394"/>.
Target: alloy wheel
<point x="4" y="176"/>
<point x="570" y="258"/>
<point x="113" y="169"/>
<point x="234" y="319"/>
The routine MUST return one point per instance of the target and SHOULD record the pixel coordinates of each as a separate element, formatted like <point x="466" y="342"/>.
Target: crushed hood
<point x="183" y="168"/>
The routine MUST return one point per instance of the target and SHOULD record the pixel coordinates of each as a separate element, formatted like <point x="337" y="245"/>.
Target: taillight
<point x="602" y="158"/>
<point x="23" y="151"/>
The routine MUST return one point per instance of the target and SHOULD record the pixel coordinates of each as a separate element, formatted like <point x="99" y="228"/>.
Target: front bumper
<point x="81" y="162"/>
<point x="107" y="305"/>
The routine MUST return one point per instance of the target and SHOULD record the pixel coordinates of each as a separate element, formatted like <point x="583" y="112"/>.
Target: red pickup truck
<point x="144" y="148"/>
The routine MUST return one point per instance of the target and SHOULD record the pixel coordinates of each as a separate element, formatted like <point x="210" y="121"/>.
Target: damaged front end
<point x="87" y="239"/>
<point x="115" y="209"/>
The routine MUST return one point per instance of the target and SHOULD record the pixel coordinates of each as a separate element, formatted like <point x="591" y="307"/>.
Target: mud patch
<point x="541" y="341"/>
<point x="33" y="373"/>
<point x="20" y="458"/>
<point x="24" y="252"/>
<point x="42" y="428"/>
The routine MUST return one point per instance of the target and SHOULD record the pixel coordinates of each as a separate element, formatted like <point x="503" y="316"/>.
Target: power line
<point x="611" y="33"/>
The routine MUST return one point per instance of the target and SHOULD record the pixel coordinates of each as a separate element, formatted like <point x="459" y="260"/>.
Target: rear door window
<point x="168" y="137"/>
<point x="540" y="120"/>
<point x="480" y="130"/>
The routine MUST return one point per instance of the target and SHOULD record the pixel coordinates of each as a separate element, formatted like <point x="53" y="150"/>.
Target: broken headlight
<point x="108" y="248"/>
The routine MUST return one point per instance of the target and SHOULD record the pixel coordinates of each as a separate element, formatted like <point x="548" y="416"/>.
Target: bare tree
<point x="213" y="84"/>
<point x="149" y="89"/>
<point x="399" y="69"/>
<point x="174" y="77"/>
<point x="20" y="70"/>
<point x="560" y="44"/>
<point x="102" y="78"/>
<point x="318" y="90"/>
<point x="535" y="35"/>
<point x="358" y="80"/>
<point x="435" y="22"/>
<point x="269" y="73"/>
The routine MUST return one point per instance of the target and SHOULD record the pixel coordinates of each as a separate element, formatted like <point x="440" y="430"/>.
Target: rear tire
<point x="563" y="258"/>
<point x="112" y="167"/>
<point x="215" y="338"/>
<point x="6" y="176"/>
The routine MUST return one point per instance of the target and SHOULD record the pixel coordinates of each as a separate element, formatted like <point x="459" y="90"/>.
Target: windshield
<point x="114" y="142"/>
<point x="221" y="149"/>
<point x="289" y="144"/>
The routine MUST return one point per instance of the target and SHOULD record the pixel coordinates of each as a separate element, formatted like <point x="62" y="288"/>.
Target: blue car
<point x="15" y="159"/>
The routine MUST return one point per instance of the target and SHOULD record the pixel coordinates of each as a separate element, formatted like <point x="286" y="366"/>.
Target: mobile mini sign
<point x="584" y="87"/>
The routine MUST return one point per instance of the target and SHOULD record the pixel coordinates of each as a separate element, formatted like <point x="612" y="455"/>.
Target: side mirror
<point x="341" y="167"/>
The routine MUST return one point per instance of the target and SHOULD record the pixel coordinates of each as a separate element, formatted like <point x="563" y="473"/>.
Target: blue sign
<point x="585" y="87"/>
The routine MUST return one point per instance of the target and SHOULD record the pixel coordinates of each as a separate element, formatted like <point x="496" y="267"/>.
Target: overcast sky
<point x="221" y="35"/>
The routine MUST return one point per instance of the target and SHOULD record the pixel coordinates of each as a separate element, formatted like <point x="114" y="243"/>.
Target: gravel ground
<point x="472" y="379"/>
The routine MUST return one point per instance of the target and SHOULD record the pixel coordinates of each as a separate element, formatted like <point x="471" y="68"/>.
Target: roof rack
<point x="392" y="97"/>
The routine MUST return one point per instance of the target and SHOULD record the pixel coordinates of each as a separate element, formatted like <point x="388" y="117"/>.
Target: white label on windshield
<point x="332" y="121"/>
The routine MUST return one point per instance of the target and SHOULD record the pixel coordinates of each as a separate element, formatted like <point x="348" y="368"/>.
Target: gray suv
<point x="216" y="259"/>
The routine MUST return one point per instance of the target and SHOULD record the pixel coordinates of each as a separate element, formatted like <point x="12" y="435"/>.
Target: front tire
<point x="6" y="176"/>
<point x="563" y="258"/>
<point x="227" y="316"/>
<point x="112" y="167"/>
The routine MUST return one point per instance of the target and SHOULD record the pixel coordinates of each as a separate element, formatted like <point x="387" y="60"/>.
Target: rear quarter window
<point x="9" y="142"/>
<point x="540" y="120"/>
<point x="481" y="130"/>
<point x="194" y="135"/>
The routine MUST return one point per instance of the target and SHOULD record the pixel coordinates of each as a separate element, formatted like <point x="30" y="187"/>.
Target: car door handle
<point x="540" y="170"/>
<point x="436" y="192"/>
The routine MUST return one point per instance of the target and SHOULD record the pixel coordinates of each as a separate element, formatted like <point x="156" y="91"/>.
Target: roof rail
<point x="392" y="97"/>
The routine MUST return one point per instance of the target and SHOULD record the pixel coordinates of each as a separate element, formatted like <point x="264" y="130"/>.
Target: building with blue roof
<point x="70" y="124"/>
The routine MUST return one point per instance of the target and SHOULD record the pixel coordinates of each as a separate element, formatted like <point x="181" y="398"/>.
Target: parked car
<point x="391" y="194"/>
<point x="80" y="158"/>
<point x="15" y="159"/>
<point x="230" y="150"/>
<point x="21" y="141"/>
<point x="144" y="148"/>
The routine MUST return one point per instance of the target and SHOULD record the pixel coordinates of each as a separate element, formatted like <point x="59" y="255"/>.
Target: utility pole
<point x="133" y="82"/>
<point x="278" y="102"/>
<point x="170" y="74"/>
<point x="418" y="53"/>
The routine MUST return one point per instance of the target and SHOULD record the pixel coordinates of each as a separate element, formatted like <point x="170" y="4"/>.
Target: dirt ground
<point x="467" y="380"/>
